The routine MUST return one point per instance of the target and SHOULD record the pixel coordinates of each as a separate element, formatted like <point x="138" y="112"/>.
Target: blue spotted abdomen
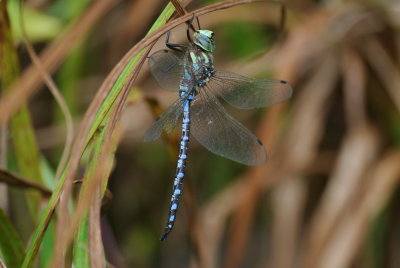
<point x="181" y="166"/>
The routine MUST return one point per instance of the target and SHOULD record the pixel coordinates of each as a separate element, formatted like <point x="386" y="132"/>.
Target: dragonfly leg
<point x="198" y="22"/>
<point x="188" y="35"/>
<point x="176" y="47"/>
<point x="190" y="26"/>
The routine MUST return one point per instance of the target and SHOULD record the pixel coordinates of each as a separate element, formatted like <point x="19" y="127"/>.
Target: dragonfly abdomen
<point x="180" y="168"/>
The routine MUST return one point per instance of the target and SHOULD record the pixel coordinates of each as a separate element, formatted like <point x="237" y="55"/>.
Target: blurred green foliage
<point x="39" y="26"/>
<point x="243" y="39"/>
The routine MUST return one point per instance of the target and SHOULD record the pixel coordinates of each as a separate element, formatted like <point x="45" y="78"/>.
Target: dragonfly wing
<point x="223" y="135"/>
<point x="167" y="69"/>
<point x="167" y="121"/>
<point x="247" y="93"/>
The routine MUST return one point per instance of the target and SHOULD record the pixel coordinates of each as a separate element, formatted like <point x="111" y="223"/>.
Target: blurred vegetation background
<point x="327" y="197"/>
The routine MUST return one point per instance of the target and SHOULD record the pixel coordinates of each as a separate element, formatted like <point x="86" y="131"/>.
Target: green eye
<point x="203" y="39"/>
<point x="206" y="33"/>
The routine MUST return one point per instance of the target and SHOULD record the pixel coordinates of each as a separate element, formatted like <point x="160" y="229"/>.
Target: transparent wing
<point x="167" y="69"/>
<point x="223" y="135"/>
<point x="247" y="93"/>
<point x="167" y="121"/>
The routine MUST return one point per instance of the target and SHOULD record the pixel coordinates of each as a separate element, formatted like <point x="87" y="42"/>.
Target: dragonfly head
<point x="204" y="39"/>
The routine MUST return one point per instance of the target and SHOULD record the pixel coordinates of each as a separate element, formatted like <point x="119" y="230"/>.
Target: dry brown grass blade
<point x="18" y="181"/>
<point x="192" y="209"/>
<point x="354" y="80"/>
<point x="179" y="8"/>
<point x="212" y="222"/>
<point x="31" y="80"/>
<point x="303" y="42"/>
<point x="309" y="111"/>
<point x="136" y="18"/>
<point x="2" y="265"/>
<point x="381" y="182"/>
<point x="385" y="68"/>
<point x="326" y="159"/>
<point x="97" y="257"/>
<point x="3" y="162"/>
<point x="288" y="202"/>
<point x="3" y="146"/>
<point x="357" y="153"/>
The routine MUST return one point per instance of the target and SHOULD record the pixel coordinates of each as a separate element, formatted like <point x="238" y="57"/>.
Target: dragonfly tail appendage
<point x="180" y="170"/>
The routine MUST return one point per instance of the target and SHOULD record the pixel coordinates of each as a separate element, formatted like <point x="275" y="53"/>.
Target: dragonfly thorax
<point x="200" y="66"/>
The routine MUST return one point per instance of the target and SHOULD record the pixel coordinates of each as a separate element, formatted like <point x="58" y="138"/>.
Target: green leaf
<point x="46" y="252"/>
<point x="81" y="246"/>
<point x="27" y="154"/>
<point x="81" y="252"/>
<point x="68" y="9"/>
<point x="11" y="246"/>
<point x="39" y="26"/>
<point x="25" y="147"/>
<point x="245" y="39"/>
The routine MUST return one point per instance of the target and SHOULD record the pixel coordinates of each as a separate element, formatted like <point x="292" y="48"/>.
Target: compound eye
<point x="204" y="40"/>
<point x="205" y="43"/>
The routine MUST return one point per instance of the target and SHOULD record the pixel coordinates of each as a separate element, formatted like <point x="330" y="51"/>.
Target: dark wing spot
<point x="158" y="118"/>
<point x="259" y="141"/>
<point x="165" y="50"/>
<point x="283" y="82"/>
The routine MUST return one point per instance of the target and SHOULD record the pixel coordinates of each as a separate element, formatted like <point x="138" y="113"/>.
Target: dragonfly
<point x="189" y="70"/>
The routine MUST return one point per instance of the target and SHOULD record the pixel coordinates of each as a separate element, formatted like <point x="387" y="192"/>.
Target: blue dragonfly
<point x="189" y="69"/>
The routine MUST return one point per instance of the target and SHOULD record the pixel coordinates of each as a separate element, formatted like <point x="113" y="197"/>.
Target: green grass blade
<point x="27" y="154"/>
<point x="81" y="250"/>
<point x="81" y="246"/>
<point x="46" y="250"/>
<point x="11" y="246"/>
<point x="25" y="146"/>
